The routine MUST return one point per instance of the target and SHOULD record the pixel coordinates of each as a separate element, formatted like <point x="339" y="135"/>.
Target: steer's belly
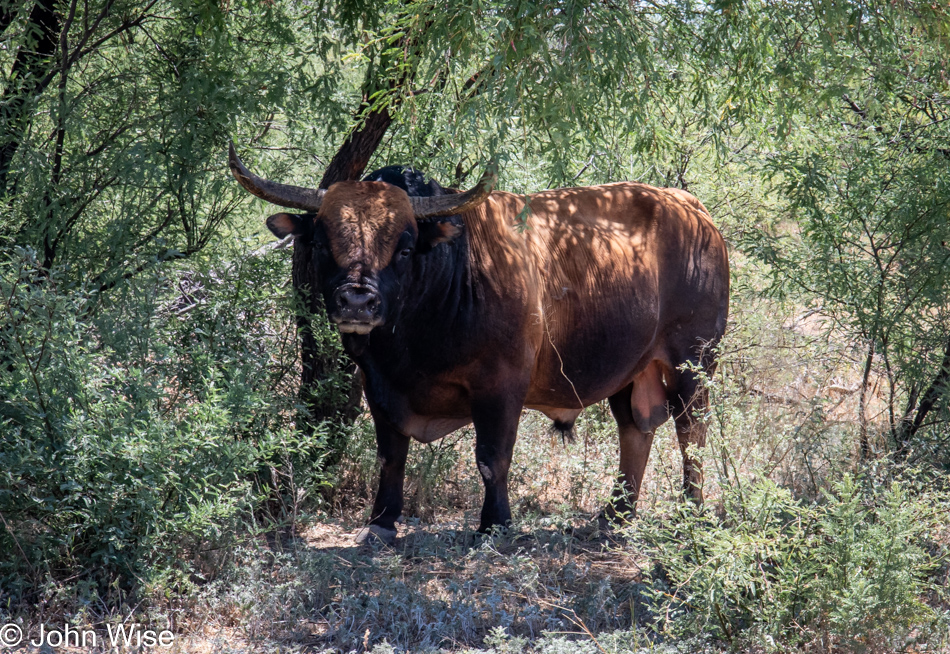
<point x="425" y="429"/>
<point x="557" y="414"/>
<point x="583" y="364"/>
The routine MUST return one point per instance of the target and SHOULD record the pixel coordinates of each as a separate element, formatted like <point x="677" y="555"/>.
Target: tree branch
<point x="937" y="389"/>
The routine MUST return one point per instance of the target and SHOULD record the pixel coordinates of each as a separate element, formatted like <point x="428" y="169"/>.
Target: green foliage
<point x="136" y="441"/>
<point x="872" y="256"/>
<point x="120" y="167"/>
<point x="776" y="573"/>
<point x="862" y="176"/>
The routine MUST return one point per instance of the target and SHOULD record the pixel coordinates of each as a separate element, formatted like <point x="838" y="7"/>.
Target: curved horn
<point x="449" y="205"/>
<point x="283" y="195"/>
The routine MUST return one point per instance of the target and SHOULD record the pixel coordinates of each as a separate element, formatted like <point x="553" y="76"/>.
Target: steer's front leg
<point x="496" y="428"/>
<point x="392" y="449"/>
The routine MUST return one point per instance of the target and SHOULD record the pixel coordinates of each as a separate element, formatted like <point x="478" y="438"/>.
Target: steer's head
<point x="364" y="236"/>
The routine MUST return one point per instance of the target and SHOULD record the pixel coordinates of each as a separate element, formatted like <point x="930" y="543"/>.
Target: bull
<point x="464" y="307"/>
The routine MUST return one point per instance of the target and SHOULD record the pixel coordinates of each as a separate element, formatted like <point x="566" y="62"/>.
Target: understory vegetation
<point x="181" y="438"/>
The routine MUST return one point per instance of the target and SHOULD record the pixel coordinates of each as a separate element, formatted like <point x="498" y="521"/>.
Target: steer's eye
<point x="405" y="252"/>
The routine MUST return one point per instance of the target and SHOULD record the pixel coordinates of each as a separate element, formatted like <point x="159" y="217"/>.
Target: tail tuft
<point x="565" y="429"/>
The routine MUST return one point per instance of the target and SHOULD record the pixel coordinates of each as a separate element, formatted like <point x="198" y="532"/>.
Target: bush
<point x="138" y="433"/>
<point x="847" y="573"/>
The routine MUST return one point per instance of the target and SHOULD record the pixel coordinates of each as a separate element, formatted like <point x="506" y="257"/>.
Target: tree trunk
<point x="27" y="79"/>
<point x="862" y="403"/>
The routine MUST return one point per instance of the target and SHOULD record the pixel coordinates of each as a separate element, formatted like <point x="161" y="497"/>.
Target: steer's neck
<point x="443" y="292"/>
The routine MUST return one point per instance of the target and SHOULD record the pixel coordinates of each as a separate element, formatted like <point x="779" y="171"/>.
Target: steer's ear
<point x="433" y="233"/>
<point x="282" y="224"/>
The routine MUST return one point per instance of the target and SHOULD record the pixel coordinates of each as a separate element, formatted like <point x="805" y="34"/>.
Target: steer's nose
<point x="357" y="303"/>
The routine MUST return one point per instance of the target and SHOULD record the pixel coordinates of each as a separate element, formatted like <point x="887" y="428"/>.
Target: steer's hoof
<point x="612" y="518"/>
<point x="374" y="534"/>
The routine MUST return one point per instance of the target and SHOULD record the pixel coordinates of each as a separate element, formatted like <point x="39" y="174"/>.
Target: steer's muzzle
<point x="357" y="309"/>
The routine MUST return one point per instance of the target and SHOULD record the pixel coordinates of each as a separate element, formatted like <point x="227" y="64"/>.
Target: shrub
<point x="847" y="573"/>
<point x="137" y="432"/>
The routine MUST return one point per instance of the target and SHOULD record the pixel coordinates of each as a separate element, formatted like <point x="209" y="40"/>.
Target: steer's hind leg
<point x="638" y="409"/>
<point x="634" y="453"/>
<point x="689" y="402"/>
<point x="496" y="428"/>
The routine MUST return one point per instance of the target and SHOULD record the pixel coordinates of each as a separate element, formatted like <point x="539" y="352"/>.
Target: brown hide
<point x="617" y="291"/>
<point x="363" y="222"/>
<point x="620" y="275"/>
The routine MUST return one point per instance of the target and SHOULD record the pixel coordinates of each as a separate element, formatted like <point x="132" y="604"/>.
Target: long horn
<point x="449" y="205"/>
<point x="283" y="195"/>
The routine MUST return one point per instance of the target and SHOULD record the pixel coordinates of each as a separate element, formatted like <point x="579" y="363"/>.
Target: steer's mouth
<point x="361" y="328"/>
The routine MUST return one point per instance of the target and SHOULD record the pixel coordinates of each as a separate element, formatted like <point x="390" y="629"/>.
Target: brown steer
<point x="457" y="314"/>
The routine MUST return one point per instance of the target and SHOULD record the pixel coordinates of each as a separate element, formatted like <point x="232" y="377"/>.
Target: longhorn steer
<point x="456" y="314"/>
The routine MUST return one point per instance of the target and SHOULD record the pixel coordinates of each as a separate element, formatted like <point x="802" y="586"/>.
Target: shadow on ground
<point x="440" y="587"/>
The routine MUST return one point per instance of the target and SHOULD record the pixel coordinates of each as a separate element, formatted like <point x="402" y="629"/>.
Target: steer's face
<point x="364" y="237"/>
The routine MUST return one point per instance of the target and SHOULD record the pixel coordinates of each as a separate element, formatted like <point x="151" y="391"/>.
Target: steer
<point x="464" y="308"/>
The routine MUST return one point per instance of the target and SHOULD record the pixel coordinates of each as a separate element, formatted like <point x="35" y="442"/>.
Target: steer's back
<point x="626" y="273"/>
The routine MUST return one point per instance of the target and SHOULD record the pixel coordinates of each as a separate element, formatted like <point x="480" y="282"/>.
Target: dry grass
<point x="784" y="408"/>
<point x="441" y="586"/>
